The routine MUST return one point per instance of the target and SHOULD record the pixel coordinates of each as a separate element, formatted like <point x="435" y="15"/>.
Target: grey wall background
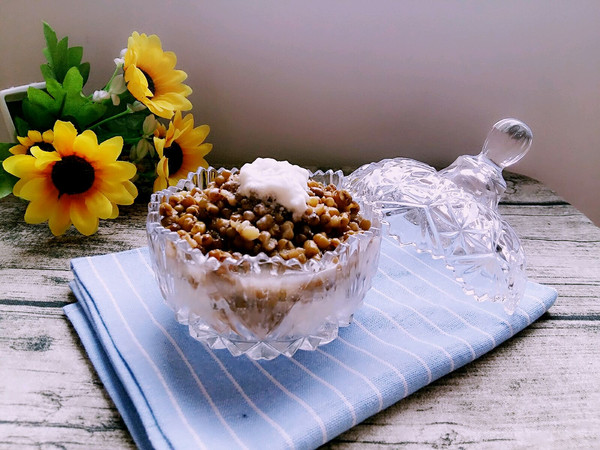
<point x="341" y="83"/>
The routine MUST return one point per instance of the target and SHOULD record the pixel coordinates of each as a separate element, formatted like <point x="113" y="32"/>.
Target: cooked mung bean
<point x="224" y="224"/>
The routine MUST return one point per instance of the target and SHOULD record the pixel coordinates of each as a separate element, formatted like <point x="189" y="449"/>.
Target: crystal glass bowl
<point x="262" y="306"/>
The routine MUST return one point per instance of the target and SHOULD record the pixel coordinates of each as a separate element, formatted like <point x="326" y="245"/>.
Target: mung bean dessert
<point x="269" y="259"/>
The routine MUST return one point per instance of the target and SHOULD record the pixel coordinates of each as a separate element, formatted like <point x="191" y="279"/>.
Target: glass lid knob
<point x="507" y="142"/>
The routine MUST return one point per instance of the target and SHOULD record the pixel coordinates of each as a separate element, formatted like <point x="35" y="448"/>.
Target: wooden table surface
<point x="539" y="389"/>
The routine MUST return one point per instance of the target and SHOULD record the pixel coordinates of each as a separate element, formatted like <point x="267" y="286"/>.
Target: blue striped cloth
<point x="173" y="392"/>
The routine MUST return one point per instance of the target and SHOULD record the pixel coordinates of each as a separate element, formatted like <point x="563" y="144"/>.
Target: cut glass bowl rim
<point x="312" y="265"/>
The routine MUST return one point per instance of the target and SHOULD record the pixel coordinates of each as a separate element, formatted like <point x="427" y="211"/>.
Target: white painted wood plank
<point x="50" y="396"/>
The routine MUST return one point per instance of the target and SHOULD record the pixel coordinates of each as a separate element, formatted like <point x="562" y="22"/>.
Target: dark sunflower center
<point x="72" y="175"/>
<point x="174" y="156"/>
<point x="151" y="86"/>
<point x="45" y="146"/>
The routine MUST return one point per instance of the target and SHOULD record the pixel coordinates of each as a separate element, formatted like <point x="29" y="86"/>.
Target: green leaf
<point x="73" y="81"/>
<point x="74" y="56"/>
<point x="41" y="108"/>
<point x="61" y="101"/>
<point x="7" y="181"/>
<point x="43" y="100"/>
<point x="76" y="105"/>
<point x="48" y="56"/>
<point x="55" y="89"/>
<point x="4" y="147"/>
<point x="37" y="117"/>
<point x="61" y="58"/>
<point x="47" y="72"/>
<point x="21" y="127"/>
<point x="131" y="122"/>
<point x="84" y="70"/>
<point x="49" y="35"/>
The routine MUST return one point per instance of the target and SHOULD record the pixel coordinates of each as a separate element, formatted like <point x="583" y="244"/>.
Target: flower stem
<point x="111" y="78"/>
<point x="108" y="119"/>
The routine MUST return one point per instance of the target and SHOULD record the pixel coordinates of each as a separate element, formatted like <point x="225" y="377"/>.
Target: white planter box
<point x="14" y="94"/>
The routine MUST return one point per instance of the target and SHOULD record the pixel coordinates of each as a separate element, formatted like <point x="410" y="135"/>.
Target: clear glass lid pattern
<point x="453" y="214"/>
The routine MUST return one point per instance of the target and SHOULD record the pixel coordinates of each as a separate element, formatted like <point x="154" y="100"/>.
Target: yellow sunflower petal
<point x="34" y="135"/>
<point x="64" y="135"/>
<point x="162" y="167"/>
<point x="42" y="158"/>
<point x="97" y="202"/>
<point x="170" y="135"/>
<point x="205" y="149"/>
<point x="48" y="136"/>
<point x="85" y="221"/>
<point x="169" y="99"/>
<point x="18" y="150"/>
<point x="119" y="170"/>
<point x="86" y="143"/>
<point x="173" y="77"/>
<point x="160" y="130"/>
<point x="60" y="218"/>
<point x="162" y="110"/>
<point x="19" y="185"/>
<point x="200" y="133"/>
<point x="109" y="150"/>
<point x="131" y="188"/>
<point x="115" y="212"/>
<point x="139" y="82"/>
<point x="159" y="145"/>
<point x="33" y="188"/>
<point x="170" y="60"/>
<point x="192" y="162"/>
<point x="39" y="210"/>
<point x="19" y="165"/>
<point x="116" y="192"/>
<point x="25" y="141"/>
<point x="164" y="107"/>
<point x="160" y="183"/>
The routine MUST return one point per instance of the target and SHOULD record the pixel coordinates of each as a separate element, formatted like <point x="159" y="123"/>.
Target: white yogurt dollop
<point x="280" y="181"/>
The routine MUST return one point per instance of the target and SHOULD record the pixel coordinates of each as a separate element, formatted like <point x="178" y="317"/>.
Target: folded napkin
<point x="416" y="325"/>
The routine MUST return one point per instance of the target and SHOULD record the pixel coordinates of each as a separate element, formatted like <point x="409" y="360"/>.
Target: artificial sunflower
<point x="181" y="149"/>
<point x="33" y="138"/>
<point x="78" y="182"/>
<point x="151" y="76"/>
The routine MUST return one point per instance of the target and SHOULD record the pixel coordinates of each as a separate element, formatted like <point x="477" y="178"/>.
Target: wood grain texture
<point x="539" y="389"/>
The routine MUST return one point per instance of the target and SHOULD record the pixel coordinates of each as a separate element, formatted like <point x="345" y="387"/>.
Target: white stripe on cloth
<point x="397" y="324"/>
<point x="445" y="274"/>
<point x="178" y="350"/>
<point x="259" y="411"/>
<point x="156" y="370"/>
<point x="329" y="386"/>
<point x="294" y="397"/>
<point x="379" y="360"/>
<point x="445" y="308"/>
<point x="397" y="347"/>
<point x="358" y="374"/>
<point x="434" y="325"/>
<point x="241" y="391"/>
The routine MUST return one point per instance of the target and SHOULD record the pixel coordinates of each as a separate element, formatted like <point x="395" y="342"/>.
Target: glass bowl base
<point x="267" y="350"/>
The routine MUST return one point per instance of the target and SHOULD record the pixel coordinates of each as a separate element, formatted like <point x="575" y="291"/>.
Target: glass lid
<point x="453" y="213"/>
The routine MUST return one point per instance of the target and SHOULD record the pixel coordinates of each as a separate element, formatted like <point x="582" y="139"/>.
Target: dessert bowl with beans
<point x="256" y="270"/>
